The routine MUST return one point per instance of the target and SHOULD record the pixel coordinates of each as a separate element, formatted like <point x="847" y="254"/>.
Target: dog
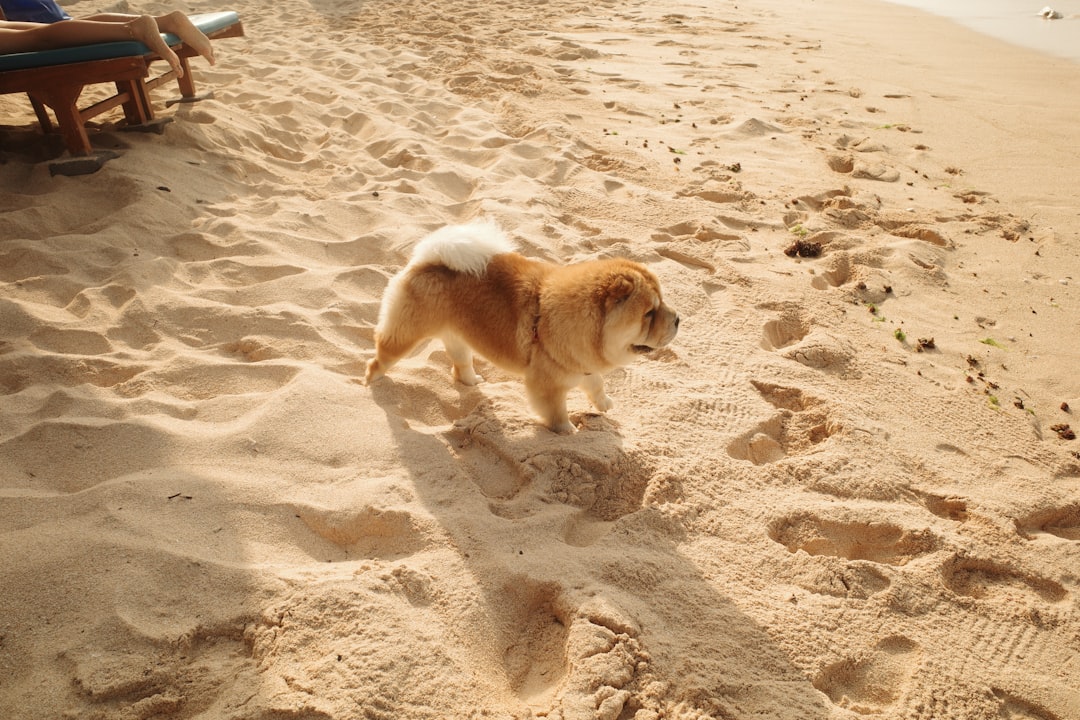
<point x="558" y="326"/>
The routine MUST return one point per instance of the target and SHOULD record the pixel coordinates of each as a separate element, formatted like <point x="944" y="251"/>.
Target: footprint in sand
<point x="355" y="533"/>
<point x="868" y="683"/>
<point x="822" y="351"/>
<point x="800" y="424"/>
<point x="703" y="415"/>
<point x="1060" y="522"/>
<point x="791" y="327"/>
<point x="876" y="541"/>
<point x="495" y="472"/>
<point x="396" y="154"/>
<point x="686" y="259"/>
<point x="1014" y="707"/>
<point x="838" y="271"/>
<point x="108" y="296"/>
<point x="582" y="662"/>
<point x="693" y="230"/>
<point x="951" y="508"/>
<point x="155" y="677"/>
<point x="846" y="164"/>
<point x="535" y="650"/>
<point x="842" y="164"/>
<point x="852" y="213"/>
<point x="795" y="338"/>
<point x="862" y="145"/>
<point x="875" y="171"/>
<point x="603" y="481"/>
<point x="762" y="445"/>
<point x="825" y="200"/>
<point x="907" y="229"/>
<point x="984" y="579"/>
<point x="714" y="192"/>
<point x="585" y="471"/>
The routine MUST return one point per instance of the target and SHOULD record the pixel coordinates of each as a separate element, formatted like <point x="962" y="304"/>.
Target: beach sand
<point x="839" y="493"/>
<point x="1016" y="21"/>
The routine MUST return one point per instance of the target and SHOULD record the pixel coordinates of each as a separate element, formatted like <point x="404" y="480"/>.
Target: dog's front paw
<point x="467" y="376"/>
<point x="593" y="385"/>
<point x="603" y="403"/>
<point x="562" y="428"/>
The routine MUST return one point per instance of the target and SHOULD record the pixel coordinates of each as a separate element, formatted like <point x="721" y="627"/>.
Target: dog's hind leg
<point x="461" y="355"/>
<point x="404" y="322"/>
<point x="388" y="350"/>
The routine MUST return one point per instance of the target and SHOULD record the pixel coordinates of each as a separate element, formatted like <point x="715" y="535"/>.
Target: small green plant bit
<point x="993" y="343"/>
<point x="899" y="335"/>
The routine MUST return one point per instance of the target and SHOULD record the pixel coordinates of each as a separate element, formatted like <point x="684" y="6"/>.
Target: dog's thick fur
<point x="558" y="326"/>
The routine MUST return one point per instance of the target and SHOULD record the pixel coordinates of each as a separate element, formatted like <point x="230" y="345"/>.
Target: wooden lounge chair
<point x="56" y="78"/>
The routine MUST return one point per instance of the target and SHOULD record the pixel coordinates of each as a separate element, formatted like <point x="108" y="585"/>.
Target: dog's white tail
<point x="465" y="248"/>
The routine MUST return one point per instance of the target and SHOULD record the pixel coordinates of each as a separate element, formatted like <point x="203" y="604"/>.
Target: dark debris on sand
<point x="803" y="248"/>
<point x="1064" y="431"/>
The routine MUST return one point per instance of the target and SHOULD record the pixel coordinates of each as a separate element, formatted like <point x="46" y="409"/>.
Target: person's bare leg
<point x="176" y="23"/>
<point x="30" y="37"/>
<point x="16" y="37"/>
<point x="145" y="29"/>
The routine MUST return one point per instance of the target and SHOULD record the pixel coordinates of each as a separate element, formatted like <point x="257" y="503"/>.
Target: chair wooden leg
<point x="138" y="109"/>
<point x="63" y="101"/>
<point x="42" y="115"/>
<point x="186" y="83"/>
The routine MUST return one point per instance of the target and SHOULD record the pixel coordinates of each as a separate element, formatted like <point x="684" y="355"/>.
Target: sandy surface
<point x="838" y="494"/>
<point x="1033" y="25"/>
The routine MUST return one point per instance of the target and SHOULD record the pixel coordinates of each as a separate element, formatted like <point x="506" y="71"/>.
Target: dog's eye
<point x="650" y="315"/>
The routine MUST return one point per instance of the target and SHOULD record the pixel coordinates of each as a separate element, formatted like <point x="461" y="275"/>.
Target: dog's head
<point x="599" y="315"/>
<point x="636" y="319"/>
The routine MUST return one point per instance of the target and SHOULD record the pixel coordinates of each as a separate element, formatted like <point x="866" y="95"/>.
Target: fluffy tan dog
<point x="558" y="326"/>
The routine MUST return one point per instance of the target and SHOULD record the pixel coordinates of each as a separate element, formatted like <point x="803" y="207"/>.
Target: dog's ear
<point x="617" y="289"/>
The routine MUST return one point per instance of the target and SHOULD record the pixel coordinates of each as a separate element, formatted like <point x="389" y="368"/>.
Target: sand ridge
<point x="838" y="494"/>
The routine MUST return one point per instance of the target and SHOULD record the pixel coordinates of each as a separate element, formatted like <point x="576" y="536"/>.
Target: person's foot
<point x="178" y="24"/>
<point x="145" y="30"/>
